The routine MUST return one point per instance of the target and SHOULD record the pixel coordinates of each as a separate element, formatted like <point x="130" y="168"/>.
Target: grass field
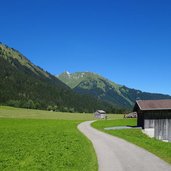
<point x="159" y="148"/>
<point x="43" y="140"/>
<point x="27" y="144"/>
<point x="10" y="112"/>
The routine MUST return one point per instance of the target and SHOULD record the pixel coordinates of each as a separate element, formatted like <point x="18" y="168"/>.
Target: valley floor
<point x="43" y="140"/>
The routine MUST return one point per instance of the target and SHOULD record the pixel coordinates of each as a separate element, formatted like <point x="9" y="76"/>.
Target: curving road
<point x="115" y="154"/>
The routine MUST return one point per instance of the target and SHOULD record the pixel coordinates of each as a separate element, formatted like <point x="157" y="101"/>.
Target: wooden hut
<point x="155" y="115"/>
<point x="100" y="114"/>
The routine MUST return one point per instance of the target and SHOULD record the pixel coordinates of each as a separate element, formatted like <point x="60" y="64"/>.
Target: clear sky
<point x="127" y="41"/>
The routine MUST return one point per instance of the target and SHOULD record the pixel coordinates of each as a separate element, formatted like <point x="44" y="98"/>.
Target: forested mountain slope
<point x="106" y="90"/>
<point x="23" y="84"/>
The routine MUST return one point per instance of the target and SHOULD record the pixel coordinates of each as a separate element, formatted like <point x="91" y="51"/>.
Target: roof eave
<point x="156" y="109"/>
<point x="138" y="104"/>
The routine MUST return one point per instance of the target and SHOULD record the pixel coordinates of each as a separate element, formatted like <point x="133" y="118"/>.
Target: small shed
<point x="154" y="116"/>
<point x="100" y="114"/>
<point x="131" y="115"/>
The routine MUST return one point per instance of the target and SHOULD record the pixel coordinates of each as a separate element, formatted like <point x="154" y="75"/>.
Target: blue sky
<point x="129" y="42"/>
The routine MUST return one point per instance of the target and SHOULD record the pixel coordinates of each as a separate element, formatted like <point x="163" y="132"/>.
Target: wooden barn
<point x="155" y="116"/>
<point x="100" y="114"/>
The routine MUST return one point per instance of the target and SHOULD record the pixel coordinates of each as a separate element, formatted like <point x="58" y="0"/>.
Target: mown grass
<point x="32" y="144"/>
<point x="159" y="148"/>
<point x="10" y="112"/>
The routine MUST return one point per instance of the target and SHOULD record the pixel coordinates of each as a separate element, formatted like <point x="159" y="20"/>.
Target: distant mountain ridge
<point x="117" y="95"/>
<point x="24" y="84"/>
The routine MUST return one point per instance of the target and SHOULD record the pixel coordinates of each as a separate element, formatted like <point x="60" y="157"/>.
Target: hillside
<point x="24" y="84"/>
<point x="106" y="90"/>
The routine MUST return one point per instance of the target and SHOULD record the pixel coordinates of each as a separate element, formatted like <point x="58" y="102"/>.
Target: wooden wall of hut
<point x="157" y="114"/>
<point x="162" y="129"/>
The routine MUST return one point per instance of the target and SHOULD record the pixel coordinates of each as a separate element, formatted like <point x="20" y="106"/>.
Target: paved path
<point x="115" y="154"/>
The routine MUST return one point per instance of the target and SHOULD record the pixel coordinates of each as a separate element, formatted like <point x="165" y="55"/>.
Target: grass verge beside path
<point x="159" y="148"/>
<point x="27" y="144"/>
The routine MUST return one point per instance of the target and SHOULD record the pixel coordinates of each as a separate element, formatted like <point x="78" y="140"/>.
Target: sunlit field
<point x="10" y="112"/>
<point x="43" y="140"/>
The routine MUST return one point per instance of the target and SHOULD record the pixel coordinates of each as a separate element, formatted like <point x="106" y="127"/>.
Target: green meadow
<point x="11" y="112"/>
<point x="42" y="140"/>
<point x="28" y="144"/>
<point x="135" y="136"/>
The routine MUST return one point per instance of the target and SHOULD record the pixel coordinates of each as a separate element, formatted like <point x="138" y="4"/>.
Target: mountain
<point x="117" y="95"/>
<point x="24" y="84"/>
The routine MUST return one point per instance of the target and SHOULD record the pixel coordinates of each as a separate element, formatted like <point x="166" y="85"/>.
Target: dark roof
<point x="154" y="104"/>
